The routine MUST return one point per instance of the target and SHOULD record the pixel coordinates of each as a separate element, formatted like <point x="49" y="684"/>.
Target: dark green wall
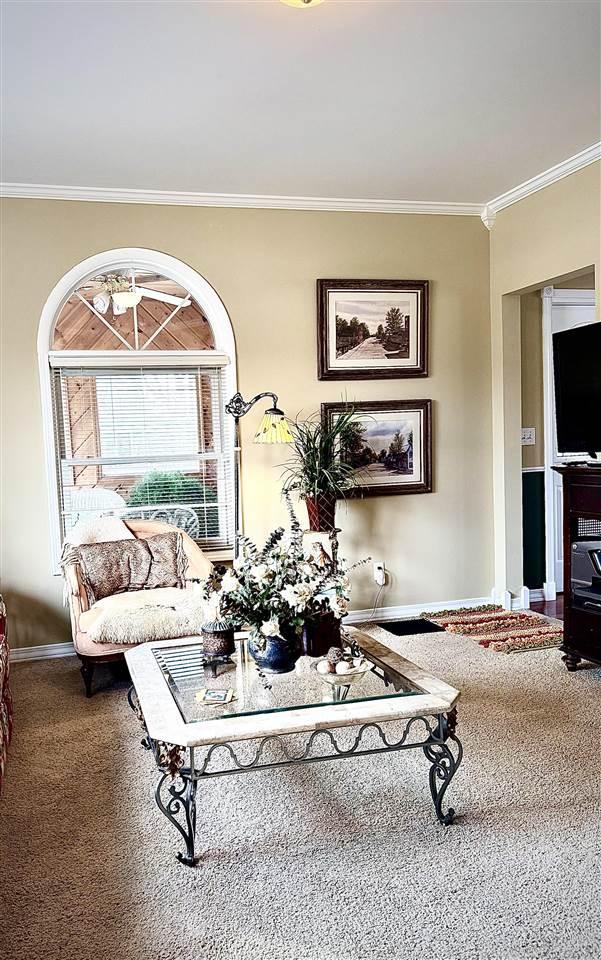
<point x="533" y="504"/>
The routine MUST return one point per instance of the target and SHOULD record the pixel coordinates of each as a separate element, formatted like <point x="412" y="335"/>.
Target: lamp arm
<point x="239" y="407"/>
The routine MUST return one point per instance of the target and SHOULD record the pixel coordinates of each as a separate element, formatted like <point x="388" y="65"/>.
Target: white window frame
<point x="118" y="261"/>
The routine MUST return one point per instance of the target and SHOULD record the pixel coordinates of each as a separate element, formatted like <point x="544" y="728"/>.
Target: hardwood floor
<point x="551" y="608"/>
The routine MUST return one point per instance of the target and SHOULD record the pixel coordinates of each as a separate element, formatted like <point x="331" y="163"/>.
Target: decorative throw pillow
<point x="99" y="530"/>
<point x="121" y="566"/>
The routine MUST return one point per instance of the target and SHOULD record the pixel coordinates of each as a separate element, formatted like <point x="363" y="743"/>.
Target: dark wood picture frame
<point x="324" y="369"/>
<point x="424" y="485"/>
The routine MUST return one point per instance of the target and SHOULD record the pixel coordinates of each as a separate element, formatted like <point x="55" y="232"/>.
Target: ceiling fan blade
<point x="163" y="297"/>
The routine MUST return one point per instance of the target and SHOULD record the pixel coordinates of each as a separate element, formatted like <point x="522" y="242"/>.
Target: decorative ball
<point x="323" y="667"/>
<point x="335" y="655"/>
<point x="343" y="666"/>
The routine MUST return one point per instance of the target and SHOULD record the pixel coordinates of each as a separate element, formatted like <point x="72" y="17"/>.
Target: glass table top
<point x="200" y="696"/>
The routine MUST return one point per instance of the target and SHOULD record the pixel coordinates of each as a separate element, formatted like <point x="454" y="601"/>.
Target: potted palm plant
<point x="317" y="469"/>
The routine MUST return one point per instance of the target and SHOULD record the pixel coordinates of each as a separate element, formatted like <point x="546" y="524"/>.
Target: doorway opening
<point x="553" y="307"/>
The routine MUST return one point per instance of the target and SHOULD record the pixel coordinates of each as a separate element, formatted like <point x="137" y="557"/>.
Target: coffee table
<point x="276" y="720"/>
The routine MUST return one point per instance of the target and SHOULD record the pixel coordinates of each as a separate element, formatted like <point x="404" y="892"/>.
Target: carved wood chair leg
<point x="87" y="672"/>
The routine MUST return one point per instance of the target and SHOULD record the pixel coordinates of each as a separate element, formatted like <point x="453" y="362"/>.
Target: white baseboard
<point x="550" y="590"/>
<point x="537" y="596"/>
<point x="53" y="650"/>
<point x="411" y="610"/>
<point x="521" y="601"/>
<point x="48" y="651"/>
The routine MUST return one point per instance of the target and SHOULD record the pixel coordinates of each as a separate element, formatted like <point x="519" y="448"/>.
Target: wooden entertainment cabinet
<point x="581" y="522"/>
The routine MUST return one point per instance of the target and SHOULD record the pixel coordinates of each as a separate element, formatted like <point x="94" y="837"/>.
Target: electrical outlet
<point x="379" y="572"/>
<point x="528" y="436"/>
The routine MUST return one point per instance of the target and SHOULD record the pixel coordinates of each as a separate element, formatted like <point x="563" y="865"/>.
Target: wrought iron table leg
<point x="182" y="799"/>
<point x="132" y="699"/>
<point x="444" y="765"/>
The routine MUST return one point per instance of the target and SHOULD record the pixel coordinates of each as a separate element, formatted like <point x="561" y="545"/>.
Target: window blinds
<point x="145" y="442"/>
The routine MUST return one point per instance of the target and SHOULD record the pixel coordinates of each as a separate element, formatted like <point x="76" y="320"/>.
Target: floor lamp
<point x="272" y="429"/>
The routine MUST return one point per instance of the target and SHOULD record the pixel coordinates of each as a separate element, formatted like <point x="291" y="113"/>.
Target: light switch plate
<point x="528" y="436"/>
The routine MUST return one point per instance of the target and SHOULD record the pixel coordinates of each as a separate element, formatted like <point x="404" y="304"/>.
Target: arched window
<point x="137" y="360"/>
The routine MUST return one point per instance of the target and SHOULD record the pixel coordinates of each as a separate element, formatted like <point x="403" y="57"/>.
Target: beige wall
<point x="264" y="265"/>
<point x="532" y="376"/>
<point x="551" y="234"/>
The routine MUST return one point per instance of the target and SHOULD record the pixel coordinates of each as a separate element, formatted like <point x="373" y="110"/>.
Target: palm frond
<point x="317" y="465"/>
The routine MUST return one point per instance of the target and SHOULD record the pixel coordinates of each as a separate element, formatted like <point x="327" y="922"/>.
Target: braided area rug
<point x="500" y="630"/>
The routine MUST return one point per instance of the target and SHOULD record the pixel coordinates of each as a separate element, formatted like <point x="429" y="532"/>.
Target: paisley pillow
<point x="122" y="566"/>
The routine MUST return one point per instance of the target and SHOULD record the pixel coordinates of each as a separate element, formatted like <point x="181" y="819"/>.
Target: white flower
<point x="304" y="592"/>
<point x="290" y="595"/>
<point x="308" y="569"/>
<point x="271" y="628"/>
<point x="338" y="606"/>
<point x="259" y="572"/>
<point x="230" y="582"/>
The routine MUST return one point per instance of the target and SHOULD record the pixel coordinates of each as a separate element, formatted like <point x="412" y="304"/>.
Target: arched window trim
<point x="115" y="261"/>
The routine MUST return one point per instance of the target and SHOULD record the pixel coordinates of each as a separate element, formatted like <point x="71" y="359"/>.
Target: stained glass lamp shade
<point x="273" y="428"/>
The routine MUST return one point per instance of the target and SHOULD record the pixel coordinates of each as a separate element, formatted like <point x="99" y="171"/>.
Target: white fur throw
<point x="154" y="621"/>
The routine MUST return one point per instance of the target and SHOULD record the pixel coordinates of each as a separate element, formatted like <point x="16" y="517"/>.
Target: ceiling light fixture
<point x="302" y="3"/>
<point x="102" y="302"/>
<point x="126" y="298"/>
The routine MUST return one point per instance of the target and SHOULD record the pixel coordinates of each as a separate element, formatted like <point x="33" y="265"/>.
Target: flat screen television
<point x="577" y="368"/>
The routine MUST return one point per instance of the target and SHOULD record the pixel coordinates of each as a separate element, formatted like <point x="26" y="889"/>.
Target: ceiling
<point x="436" y="101"/>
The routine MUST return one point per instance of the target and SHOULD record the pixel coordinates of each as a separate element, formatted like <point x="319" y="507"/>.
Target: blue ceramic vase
<point x="277" y="654"/>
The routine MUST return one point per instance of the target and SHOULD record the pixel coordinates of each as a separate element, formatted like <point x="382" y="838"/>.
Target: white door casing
<point x="562" y="310"/>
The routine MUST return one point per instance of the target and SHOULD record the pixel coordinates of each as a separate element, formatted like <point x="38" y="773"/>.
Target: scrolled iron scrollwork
<point x="291" y="756"/>
<point x="444" y="765"/>
<point x="236" y="406"/>
<point x="181" y="799"/>
<point x="177" y="799"/>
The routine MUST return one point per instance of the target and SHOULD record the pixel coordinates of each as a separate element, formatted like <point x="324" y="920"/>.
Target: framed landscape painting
<point x="372" y="329"/>
<point x="389" y="445"/>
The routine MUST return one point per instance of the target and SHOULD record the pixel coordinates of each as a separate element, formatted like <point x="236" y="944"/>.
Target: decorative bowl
<point x="344" y="679"/>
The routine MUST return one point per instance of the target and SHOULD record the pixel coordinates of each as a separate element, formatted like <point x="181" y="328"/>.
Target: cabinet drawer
<point x="583" y="625"/>
<point x="585" y="497"/>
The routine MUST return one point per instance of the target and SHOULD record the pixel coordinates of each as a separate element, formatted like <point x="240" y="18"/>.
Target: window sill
<point x="227" y="553"/>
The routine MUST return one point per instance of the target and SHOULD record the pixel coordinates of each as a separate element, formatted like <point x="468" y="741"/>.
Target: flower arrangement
<point x="275" y="590"/>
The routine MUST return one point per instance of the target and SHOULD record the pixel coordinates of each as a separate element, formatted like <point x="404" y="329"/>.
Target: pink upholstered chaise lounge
<point x="82" y="615"/>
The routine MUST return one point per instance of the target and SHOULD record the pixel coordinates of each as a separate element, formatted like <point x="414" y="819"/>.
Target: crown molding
<point x="42" y="191"/>
<point x="487" y="212"/>
<point x="545" y="179"/>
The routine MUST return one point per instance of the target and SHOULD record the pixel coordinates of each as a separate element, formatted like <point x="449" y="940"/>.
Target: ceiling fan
<point x="125" y="294"/>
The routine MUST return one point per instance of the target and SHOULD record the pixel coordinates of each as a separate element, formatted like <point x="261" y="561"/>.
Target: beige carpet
<point x="333" y="861"/>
